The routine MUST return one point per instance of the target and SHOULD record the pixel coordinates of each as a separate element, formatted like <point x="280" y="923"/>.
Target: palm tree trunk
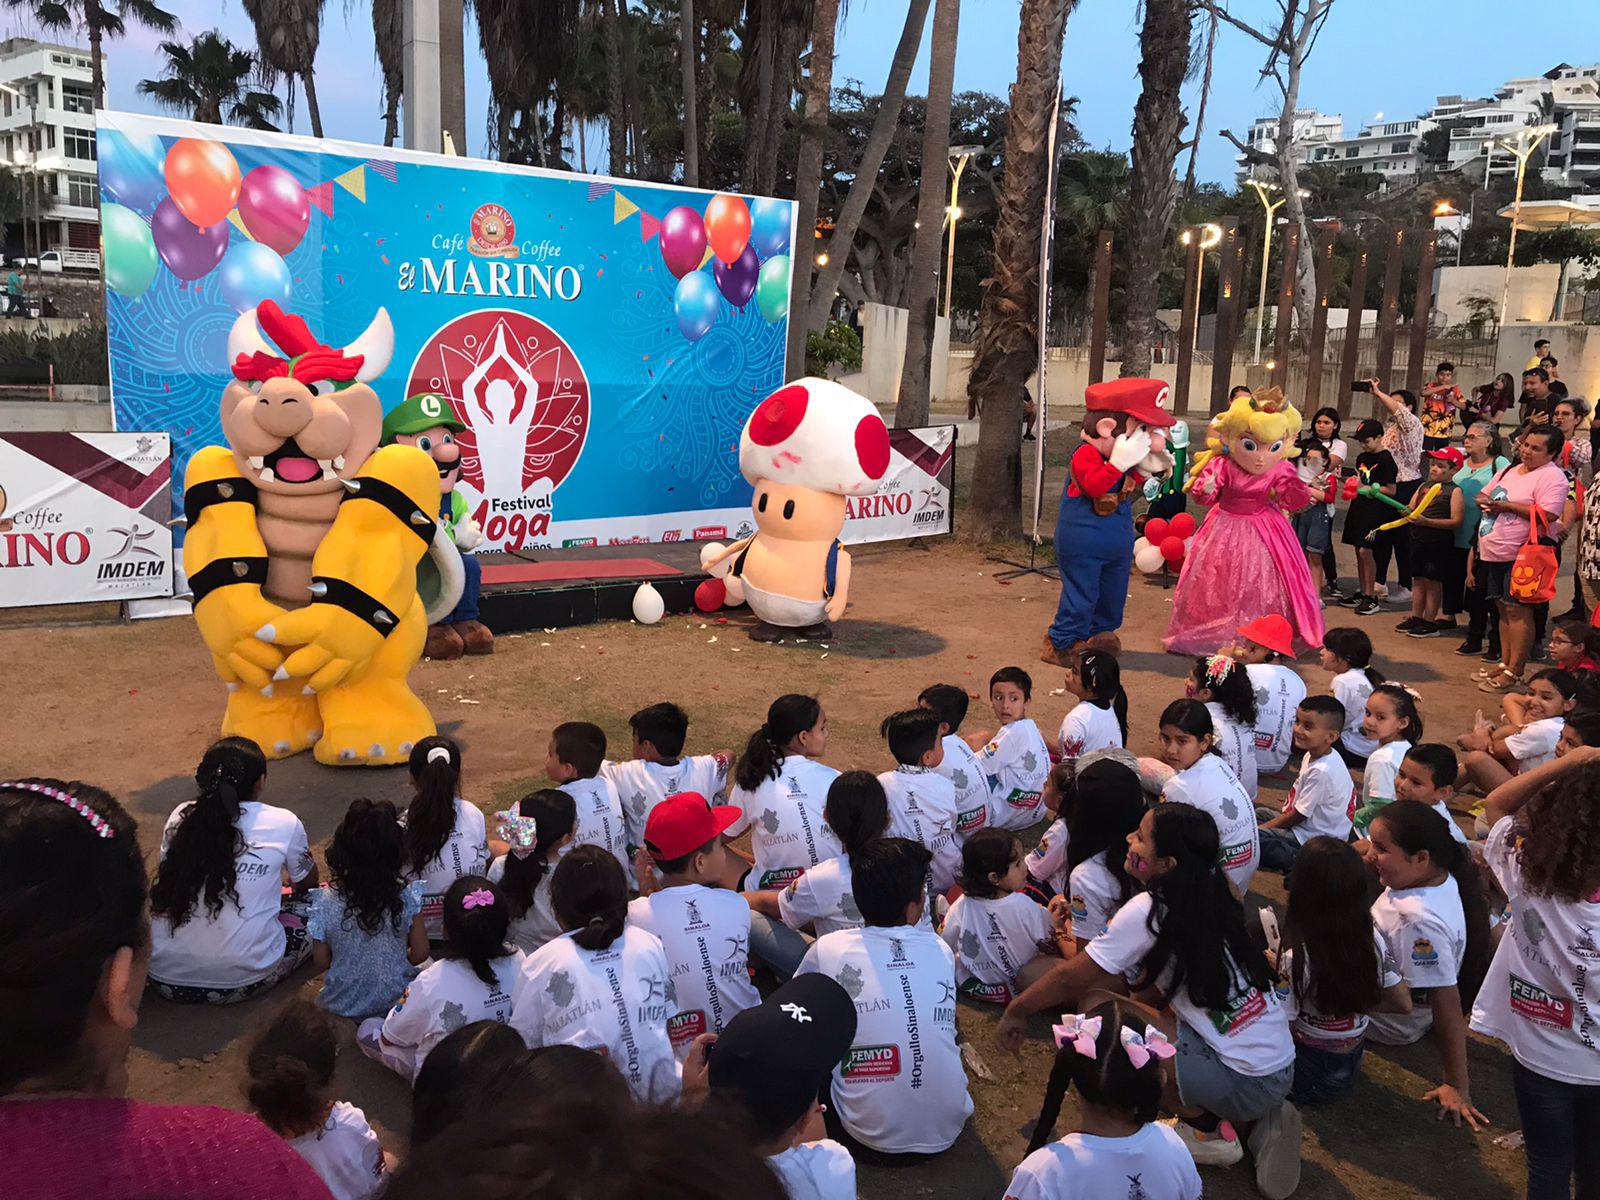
<point x="688" y="27"/>
<point x="911" y="409"/>
<point x="391" y="117"/>
<point x="616" y="105"/>
<point x="93" y="14"/>
<point x="1008" y="318"/>
<point x="311" y="102"/>
<point x="452" y="73"/>
<point x="791" y="43"/>
<point x="1200" y="111"/>
<point x="1152" y="179"/>
<point x="841" y="243"/>
<point x="808" y="174"/>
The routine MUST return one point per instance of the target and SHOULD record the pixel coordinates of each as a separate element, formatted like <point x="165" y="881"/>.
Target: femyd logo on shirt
<point x="1532" y="1002"/>
<point x="1235" y="855"/>
<point x="872" y="1062"/>
<point x="686" y="1026"/>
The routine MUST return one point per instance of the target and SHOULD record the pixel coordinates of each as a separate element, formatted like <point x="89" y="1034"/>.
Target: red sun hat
<point x="1272" y="631"/>
<point x="1144" y="400"/>
<point x="684" y="822"/>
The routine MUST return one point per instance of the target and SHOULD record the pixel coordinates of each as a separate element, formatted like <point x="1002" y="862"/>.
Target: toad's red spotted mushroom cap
<point x="815" y="434"/>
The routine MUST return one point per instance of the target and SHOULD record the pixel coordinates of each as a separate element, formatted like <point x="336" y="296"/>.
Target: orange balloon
<point x="203" y="179"/>
<point x="727" y="227"/>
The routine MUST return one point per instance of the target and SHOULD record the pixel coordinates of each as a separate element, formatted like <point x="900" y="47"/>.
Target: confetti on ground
<point x="711" y="639"/>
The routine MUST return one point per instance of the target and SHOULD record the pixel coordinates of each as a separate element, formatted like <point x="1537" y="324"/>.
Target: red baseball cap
<point x="684" y="822"/>
<point x="1272" y="631"/>
<point x="1142" y="399"/>
<point x="1447" y="454"/>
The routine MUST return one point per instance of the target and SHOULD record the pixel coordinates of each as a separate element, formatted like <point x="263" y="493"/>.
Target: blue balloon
<point x="250" y="273"/>
<point x="697" y="305"/>
<point x="769" y="227"/>
<point x="131" y="168"/>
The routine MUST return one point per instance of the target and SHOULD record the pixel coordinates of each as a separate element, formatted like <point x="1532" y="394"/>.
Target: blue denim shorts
<point x="1322" y="1076"/>
<point x="1314" y="528"/>
<point x="1205" y="1081"/>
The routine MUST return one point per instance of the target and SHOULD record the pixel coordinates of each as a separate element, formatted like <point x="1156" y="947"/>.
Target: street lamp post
<point x="1261" y="189"/>
<point x="1210" y="235"/>
<point x="1520" y="146"/>
<point x="1445" y="209"/>
<point x="958" y="163"/>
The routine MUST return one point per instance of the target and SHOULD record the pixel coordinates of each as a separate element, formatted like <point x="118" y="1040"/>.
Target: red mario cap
<point x="684" y="822"/>
<point x="1272" y="631"/>
<point x="1144" y="400"/>
<point x="1448" y="454"/>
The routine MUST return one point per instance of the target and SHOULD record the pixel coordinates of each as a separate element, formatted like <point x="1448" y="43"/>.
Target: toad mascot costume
<point x="805" y="449"/>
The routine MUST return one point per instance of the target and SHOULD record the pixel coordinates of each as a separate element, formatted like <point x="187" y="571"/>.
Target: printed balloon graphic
<point x="131" y="260"/>
<point x="727" y="227"/>
<point x="772" y="288"/>
<point x="697" y="304"/>
<point x="203" y="179"/>
<point x="683" y="240"/>
<point x="188" y="250"/>
<point x="737" y="281"/>
<point x="130" y="168"/>
<point x="274" y="208"/>
<point x="769" y="227"/>
<point x="251" y="273"/>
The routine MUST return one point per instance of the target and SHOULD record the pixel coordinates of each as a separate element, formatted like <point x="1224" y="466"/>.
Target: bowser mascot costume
<point x="1124" y="443"/>
<point x="303" y="544"/>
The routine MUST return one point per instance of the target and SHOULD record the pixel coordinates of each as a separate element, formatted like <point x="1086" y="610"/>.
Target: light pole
<point x="1261" y="189"/>
<point x="1210" y="235"/>
<point x="1445" y="209"/>
<point x="958" y="163"/>
<point x="1520" y="146"/>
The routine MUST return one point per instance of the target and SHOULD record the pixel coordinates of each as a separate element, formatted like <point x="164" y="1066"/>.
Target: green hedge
<point x="78" y="356"/>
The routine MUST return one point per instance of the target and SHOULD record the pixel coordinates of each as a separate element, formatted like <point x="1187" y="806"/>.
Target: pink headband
<point x="96" y="822"/>
<point x="482" y="898"/>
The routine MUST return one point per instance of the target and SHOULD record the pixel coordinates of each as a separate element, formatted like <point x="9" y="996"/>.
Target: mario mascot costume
<point x="1124" y="443"/>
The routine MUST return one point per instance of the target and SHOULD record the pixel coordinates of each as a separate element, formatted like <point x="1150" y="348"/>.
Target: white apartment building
<point x="47" y="127"/>
<point x="1389" y="149"/>
<point x="1311" y="128"/>
<point x="1574" y="153"/>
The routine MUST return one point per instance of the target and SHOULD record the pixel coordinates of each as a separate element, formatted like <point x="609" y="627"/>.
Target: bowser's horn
<point x="246" y="339"/>
<point x="375" y="347"/>
<point x="441" y="577"/>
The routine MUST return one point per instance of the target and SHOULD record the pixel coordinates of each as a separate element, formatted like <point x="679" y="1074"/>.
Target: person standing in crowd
<point x="1490" y="400"/>
<point x="1325" y="428"/>
<point x="1568" y="415"/>
<point x="1541" y="351"/>
<point x="1536" y="395"/>
<point x="1484" y="461"/>
<point x="1403" y="438"/>
<point x="1441" y="401"/>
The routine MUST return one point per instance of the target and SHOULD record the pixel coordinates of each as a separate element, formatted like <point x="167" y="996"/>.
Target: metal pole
<point x="420" y="58"/>
<point x="950" y="256"/>
<point x="1187" y="320"/>
<point x="1284" y="320"/>
<point x="1261" y="300"/>
<point x="1101" y="311"/>
<point x="1511" y="252"/>
<point x="1319" y="324"/>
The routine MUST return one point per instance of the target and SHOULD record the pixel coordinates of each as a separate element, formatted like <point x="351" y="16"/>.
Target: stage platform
<point x="549" y="589"/>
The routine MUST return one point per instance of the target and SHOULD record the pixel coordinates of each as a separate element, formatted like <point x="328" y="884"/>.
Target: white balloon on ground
<point x="709" y="551"/>
<point x="1149" y="559"/>
<point x="648" y="606"/>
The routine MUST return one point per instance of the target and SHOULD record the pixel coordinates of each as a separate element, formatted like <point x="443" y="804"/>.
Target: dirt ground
<point x="132" y="707"/>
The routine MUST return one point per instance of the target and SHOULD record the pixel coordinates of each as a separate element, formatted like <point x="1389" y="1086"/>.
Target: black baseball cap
<point x="1368" y="429"/>
<point x="772" y="1060"/>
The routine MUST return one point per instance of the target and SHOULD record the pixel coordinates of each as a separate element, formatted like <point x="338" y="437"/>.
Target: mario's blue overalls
<point x="1094" y="553"/>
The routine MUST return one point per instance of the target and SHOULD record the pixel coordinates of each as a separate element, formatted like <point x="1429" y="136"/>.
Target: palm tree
<point x="522" y="47"/>
<point x="689" y="31"/>
<point x="1153" y="180"/>
<point x="1008" y="317"/>
<point x="616" y="100"/>
<point x="288" y="33"/>
<point x="100" y="19"/>
<point x="388" y="38"/>
<point x="209" y="80"/>
<point x="775" y="35"/>
<point x="808" y="173"/>
<point x="911" y="408"/>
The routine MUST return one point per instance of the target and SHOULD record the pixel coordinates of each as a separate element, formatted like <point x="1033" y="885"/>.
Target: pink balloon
<point x="274" y="208"/>
<point x="683" y="240"/>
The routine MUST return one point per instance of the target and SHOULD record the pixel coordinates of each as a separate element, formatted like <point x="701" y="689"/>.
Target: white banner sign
<point x="917" y="495"/>
<point x="83" y="516"/>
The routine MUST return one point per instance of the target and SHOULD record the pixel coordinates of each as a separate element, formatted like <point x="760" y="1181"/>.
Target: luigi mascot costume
<point x="427" y="422"/>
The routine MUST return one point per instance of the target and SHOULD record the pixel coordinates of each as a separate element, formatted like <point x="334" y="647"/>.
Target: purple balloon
<point x="683" y="240"/>
<point x="189" y="250"/>
<point x="737" y="280"/>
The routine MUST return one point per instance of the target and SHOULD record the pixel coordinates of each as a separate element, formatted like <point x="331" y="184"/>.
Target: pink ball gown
<point x="1244" y="562"/>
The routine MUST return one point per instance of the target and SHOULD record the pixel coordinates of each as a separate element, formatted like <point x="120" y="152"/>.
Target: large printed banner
<point x="917" y="495"/>
<point x="83" y="516"/>
<point x="603" y="340"/>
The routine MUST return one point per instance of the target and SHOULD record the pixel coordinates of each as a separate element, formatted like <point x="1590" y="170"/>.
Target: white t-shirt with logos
<point x="1236" y="743"/>
<point x="643" y="785"/>
<point x="1251" y="1035"/>
<point x="615" y="1001"/>
<point x="974" y="805"/>
<point x="823" y="899"/>
<point x="1536" y="997"/>
<point x="447" y="995"/>
<point x="1279" y="690"/>
<point x="1149" y="1165"/>
<point x="784" y="816"/>
<point x="901" y="1088"/>
<point x="1383" y="766"/>
<point x="538" y="925"/>
<point x="993" y="939"/>
<point x="1088" y="727"/>
<point x="816" y="1171"/>
<point x="1211" y="786"/>
<point x="1535" y="743"/>
<point x="922" y="807"/>
<point x="600" y="821"/>
<point x="1425" y="931"/>
<point x="1016" y="763"/>
<point x="1047" y="862"/>
<point x="705" y="933"/>
<point x="243" y="942"/>
<point x="344" y="1153"/>
<point x="1095" y="895"/>
<point x="1351" y="689"/>
<point x="465" y="852"/>
<point x="1325" y="795"/>
<point x="1336" y="1034"/>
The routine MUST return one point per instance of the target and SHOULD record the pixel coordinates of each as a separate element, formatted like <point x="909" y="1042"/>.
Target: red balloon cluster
<point x="1172" y="549"/>
<point x="1181" y="526"/>
<point x="708" y="597"/>
<point x="1350" y="486"/>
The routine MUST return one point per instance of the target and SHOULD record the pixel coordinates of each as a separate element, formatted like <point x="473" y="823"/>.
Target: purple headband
<point x="96" y="822"/>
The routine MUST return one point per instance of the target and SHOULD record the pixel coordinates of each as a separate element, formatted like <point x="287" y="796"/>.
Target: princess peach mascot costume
<point x="1245" y="561"/>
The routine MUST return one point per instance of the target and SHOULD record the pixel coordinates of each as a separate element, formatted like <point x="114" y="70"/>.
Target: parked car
<point x="52" y="262"/>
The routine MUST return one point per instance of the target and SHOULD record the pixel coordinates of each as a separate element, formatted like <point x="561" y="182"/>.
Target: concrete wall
<point x="1533" y="291"/>
<point x="1576" y="349"/>
<point x="1069" y="376"/>
<point x="883" y="352"/>
<point x="44" y="416"/>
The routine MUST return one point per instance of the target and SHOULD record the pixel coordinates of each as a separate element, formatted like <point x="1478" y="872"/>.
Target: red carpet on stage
<point x="593" y="568"/>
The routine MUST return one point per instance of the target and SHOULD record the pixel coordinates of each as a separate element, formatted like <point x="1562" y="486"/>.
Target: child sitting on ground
<point x="577" y="751"/>
<point x="1047" y="861"/>
<point x="780" y="785"/>
<point x="959" y="765"/>
<point x="703" y="927"/>
<point x="537" y="832"/>
<point x="1014" y="759"/>
<point x="1223" y="685"/>
<point x="1262" y="647"/>
<point x="1574" y="646"/>
<point x="1527" y="739"/>
<point x="1203" y="780"/>
<point x="922" y="802"/>
<point x="1105" y="813"/>
<point x="1323" y="797"/>
<point x="446" y="837"/>
<point x="289" y="1075"/>
<point x="1347" y="656"/>
<point x="366" y="929"/>
<point x="1002" y="940"/>
<point x="1428" y="775"/>
<point x="1099" y="720"/>
<point x="1394" y="723"/>
<point x="658" y="769"/>
<point x="469" y="980"/>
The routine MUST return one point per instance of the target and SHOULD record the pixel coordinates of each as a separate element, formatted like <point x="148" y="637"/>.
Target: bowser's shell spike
<point x="816" y="434"/>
